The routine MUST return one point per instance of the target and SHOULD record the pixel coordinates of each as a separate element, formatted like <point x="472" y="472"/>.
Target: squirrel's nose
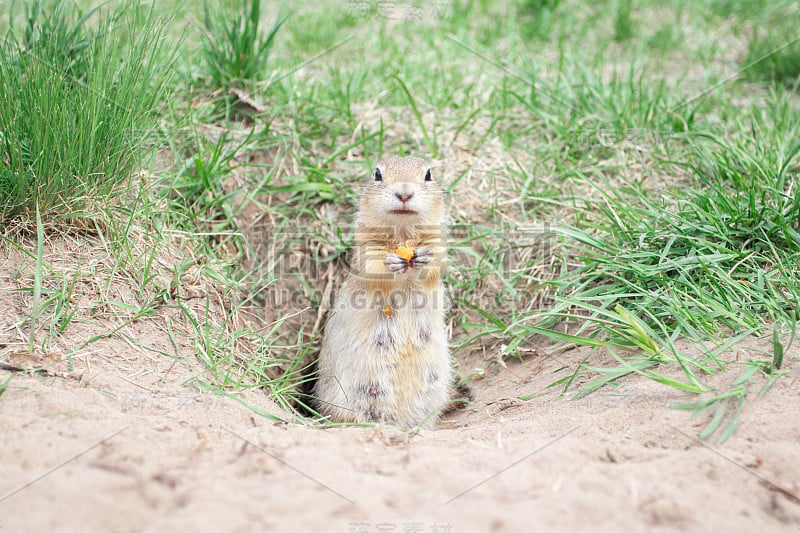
<point x="404" y="196"/>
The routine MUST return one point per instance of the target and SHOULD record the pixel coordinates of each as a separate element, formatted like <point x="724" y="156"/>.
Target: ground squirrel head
<point x="402" y="192"/>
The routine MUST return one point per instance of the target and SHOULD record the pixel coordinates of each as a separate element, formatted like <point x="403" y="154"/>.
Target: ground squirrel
<point x="384" y="351"/>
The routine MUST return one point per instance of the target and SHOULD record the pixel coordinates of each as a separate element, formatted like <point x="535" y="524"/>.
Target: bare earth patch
<point x="132" y="447"/>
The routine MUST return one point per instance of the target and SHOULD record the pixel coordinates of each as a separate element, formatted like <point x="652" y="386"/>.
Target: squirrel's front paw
<point x="422" y="256"/>
<point x="395" y="263"/>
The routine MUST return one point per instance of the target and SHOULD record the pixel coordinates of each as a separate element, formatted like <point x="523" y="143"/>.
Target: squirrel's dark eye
<point x="378" y="176"/>
<point x="428" y="175"/>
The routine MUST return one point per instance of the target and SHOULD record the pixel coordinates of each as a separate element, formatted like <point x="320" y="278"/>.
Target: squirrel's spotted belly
<point x="384" y="354"/>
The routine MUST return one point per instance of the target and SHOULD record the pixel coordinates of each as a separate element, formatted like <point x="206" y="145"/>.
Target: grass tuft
<point x="624" y="25"/>
<point x="77" y="106"/>
<point x="538" y="18"/>
<point x="237" y="53"/>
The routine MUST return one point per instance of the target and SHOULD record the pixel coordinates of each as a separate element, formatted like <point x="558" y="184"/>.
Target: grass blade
<point x="37" y="280"/>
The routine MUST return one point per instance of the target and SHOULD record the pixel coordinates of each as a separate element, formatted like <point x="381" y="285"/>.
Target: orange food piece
<point x="387" y="311"/>
<point x="406" y="252"/>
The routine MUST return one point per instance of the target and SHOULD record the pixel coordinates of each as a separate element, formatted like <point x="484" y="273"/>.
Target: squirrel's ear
<point x="377" y="175"/>
<point x="428" y="175"/>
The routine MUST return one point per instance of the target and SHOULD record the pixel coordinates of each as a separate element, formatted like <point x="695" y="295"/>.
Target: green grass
<point x="237" y="52"/>
<point x="59" y="36"/>
<point x="773" y="55"/>
<point x="624" y="25"/>
<point x="4" y="385"/>
<point x="722" y="253"/>
<point x="538" y="18"/>
<point x="623" y="178"/>
<point x="78" y="104"/>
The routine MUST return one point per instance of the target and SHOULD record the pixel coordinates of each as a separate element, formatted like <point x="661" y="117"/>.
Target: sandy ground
<point x="121" y="443"/>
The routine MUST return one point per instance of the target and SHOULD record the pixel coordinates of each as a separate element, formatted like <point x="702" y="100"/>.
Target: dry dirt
<point x="121" y="442"/>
